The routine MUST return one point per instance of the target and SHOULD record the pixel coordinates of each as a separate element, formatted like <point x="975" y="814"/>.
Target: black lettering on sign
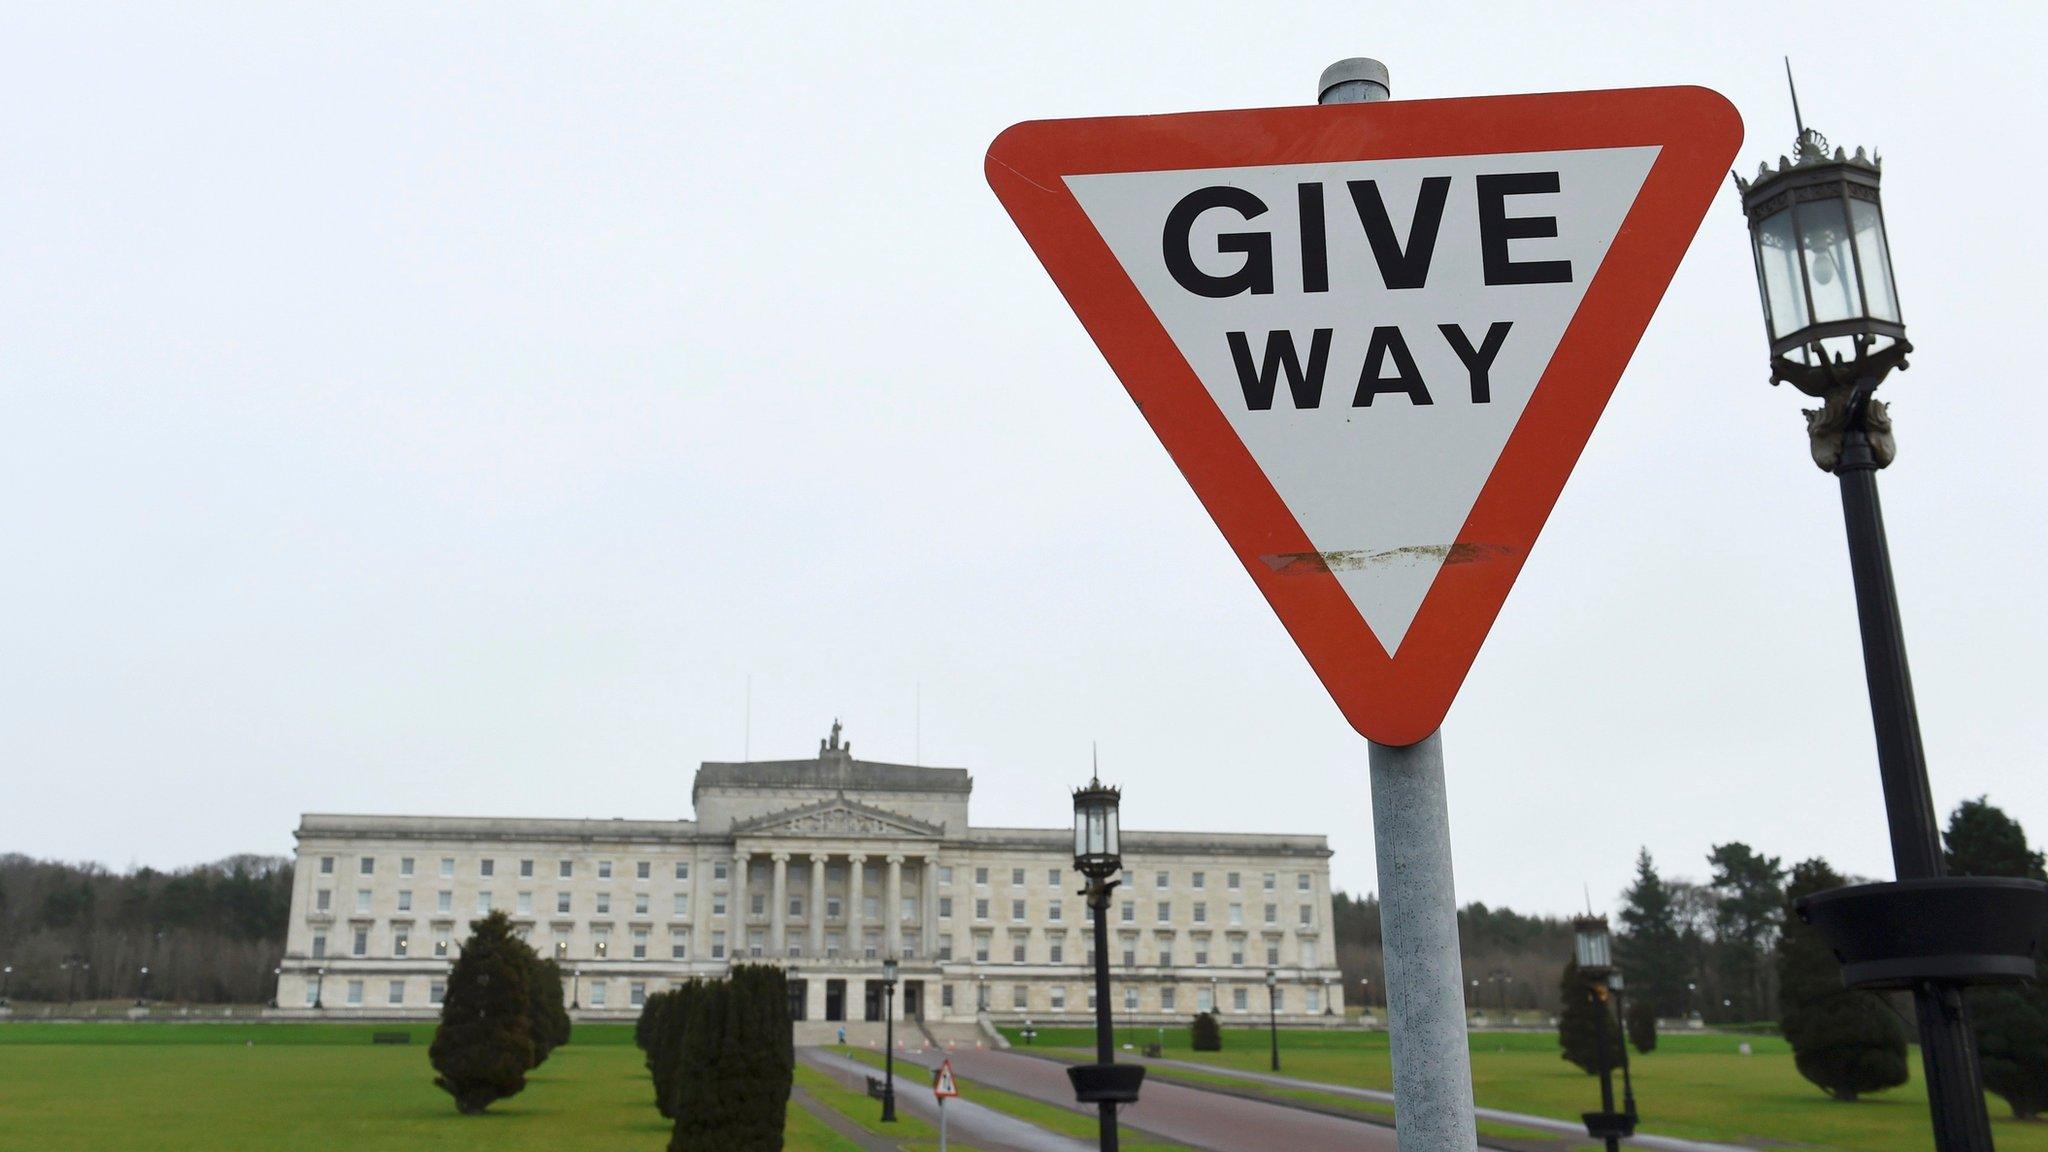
<point x="1478" y="362"/>
<point x="1256" y="276"/>
<point x="1315" y="250"/>
<point x="1496" y="228"/>
<point x="1402" y="266"/>
<point x="1386" y="341"/>
<point x="1305" y="385"/>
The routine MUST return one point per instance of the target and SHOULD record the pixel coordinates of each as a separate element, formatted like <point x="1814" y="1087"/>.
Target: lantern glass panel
<point x="1110" y="846"/>
<point x="1868" y="225"/>
<point x="1778" y="254"/>
<point x="1080" y="831"/>
<point x="1830" y="269"/>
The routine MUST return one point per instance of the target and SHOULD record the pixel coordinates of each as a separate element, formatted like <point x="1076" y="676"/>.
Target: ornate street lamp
<point x="1593" y="948"/>
<point x="276" y="985"/>
<point x="6" y="979"/>
<point x="1831" y="311"/>
<point x="142" y="987"/>
<point x="1273" y="1014"/>
<point x="319" y="986"/>
<point x="576" y="988"/>
<point x="1628" y="1084"/>
<point x="1098" y="856"/>
<point x="889" y="972"/>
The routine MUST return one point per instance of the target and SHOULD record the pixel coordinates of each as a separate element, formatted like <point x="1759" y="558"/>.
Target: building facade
<point x="824" y="866"/>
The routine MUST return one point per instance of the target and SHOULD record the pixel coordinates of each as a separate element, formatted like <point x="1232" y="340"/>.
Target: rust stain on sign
<point x="1309" y="563"/>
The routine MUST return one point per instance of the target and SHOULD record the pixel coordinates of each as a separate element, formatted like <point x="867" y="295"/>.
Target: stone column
<point x="736" y="910"/>
<point x="778" y="911"/>
<point x="928" y="908"/>
<point x="815" y="908"/>
<point x="892" y="913"/>
<point x="855" y="865"/>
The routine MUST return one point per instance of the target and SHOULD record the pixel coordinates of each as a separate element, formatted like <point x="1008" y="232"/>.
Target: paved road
<point x="1174" y="1112"/>
<point x="1520" y="1119"/>
<point x="966" y="1122"/>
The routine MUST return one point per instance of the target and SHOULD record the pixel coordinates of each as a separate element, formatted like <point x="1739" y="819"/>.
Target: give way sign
<point x="1374" y="337"/>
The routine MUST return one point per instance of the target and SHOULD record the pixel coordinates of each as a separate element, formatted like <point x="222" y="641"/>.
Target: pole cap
<point x="1357" y="80"/>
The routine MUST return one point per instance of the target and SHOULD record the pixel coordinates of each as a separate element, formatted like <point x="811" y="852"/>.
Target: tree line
<point x="208" y="934"/>
<point x="722" y="1058"/>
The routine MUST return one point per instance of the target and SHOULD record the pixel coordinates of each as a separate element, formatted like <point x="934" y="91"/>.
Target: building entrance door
<point x="799" y="998"/>
<point x="874" y="1000"/>
<point x="835" y="999"/>
<point x="913" y="999"/>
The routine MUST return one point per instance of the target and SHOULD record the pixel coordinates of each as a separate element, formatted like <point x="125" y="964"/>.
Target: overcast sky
<point x="452" y="412"/>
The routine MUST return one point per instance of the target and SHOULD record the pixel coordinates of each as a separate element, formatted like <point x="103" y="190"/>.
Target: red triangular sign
<point x="942" y="1082"/>
<point x="1374" y="337"/>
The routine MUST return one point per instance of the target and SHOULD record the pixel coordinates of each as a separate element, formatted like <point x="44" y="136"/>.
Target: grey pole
<point x="1424" y="978"/>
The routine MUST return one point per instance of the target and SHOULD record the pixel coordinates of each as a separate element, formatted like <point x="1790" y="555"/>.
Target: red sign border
<point x="1401" y="699"/>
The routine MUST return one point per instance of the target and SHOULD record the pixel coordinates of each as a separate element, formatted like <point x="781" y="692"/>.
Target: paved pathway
<point x="840" y="1124"/>
<point x="1519" y="1119"/>
<point x="1175" y="1112"/>
<point x="966" y="1122"/>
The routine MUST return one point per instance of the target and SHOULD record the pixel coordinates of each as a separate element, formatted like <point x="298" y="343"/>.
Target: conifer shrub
<point x="547" y="1016"/>
<point x="1205" y="1034"/>
<point x="736" y="1064"/>
<point x="1578" y="1021"/>
<point x="1846" y="1042"/>
<point x="484" y="1044"/>
<point x="1642" y="1025"/>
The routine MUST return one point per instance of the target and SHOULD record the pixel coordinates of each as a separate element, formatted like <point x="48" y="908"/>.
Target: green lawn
<point x="1694" y="1085"/>
<point x="308" y="1088"/>
<point x="1055" y="1118"/>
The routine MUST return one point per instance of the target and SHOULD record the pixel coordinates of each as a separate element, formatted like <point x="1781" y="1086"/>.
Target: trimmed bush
<point x="1846" y="1042"/>
<point x="1642" y="1025"/>
<point x="546" y="1015"/>
<point x="1578" y="1021"/>
<point x="1205" y="1034"/>
<point x="737" y="1062"/>
<point x="485" y="1043"/>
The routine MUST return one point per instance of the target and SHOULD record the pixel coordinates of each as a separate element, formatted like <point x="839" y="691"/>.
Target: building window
<point x="1056" y="997"/>
<point x="1315" y="1000"/>
<point x="1016" y="950"/>
<point x="1165" y="953"/>
<point x="1016" y="909"/>
<point x="796" y="907"/>
<point x="1201" y="951"/>
<point x="1270" y="881"/>
<point x="1166" y="911"/>
<point x="720" y="870"/>
<point x="682" y="904"/>
<point x="1201" y="912"/>
<point x="604" y="903"/>
<point x="565" y="869"/>
<point x="981" y="877"/>
<point x="1199" y="880"/>
<point x="1272" y="955"/>
<point x="447" y="867"/>
<point x="604" y="869"/>
<point x="833" y="907"/>
<point x="319" y="947"/>
<point x="405" y="865"/>
<point x="718" y="904"/>
<point x="525" y="904"/>
<point x="1130" y="999"/>
<point x="405" y="900"/>
<point x="1058" y="950"/>
<point x="1237" y="951"/>
<point x="526" y="869"/>
<point x="678" y="950"/>
<point x="483" y="903"/>
<point x="1128" y="912"/>
<point x="946" y="996"/>
<point x="437" y="992"/>
<point x="758" y="904"/>
<point x="397" y="993"/>
<point x="441" y="946"/>
<point x="362" y="943"/>
<point x="981" y="949"/>
<point x="639" y="943"/>
<point x="945" y="877"/>
<point x="908" y="911"/>
<point x="682" y="871"/>
<point x="1020" y="996"/>
<point x="1301" y="882"/>
<point x="640" y="903"/>
<point x="636" y="994"/>
<point x="1236" y="914"/>
<point x="487" y="868"/>
<point x="1166" y="999"/>
<point x="327" y="865"/>
<point x="718" y="945"/>
<point x="1230" y="880"/>
<point x="1052" y="877"/>
<point x="945" y="908"/>
<point x="1162" y="880"/>
<point x="1017" y="877"/>
<point x="362" y="900"/>
<point x="1130" y="953"/>
<point x="368" y="866"/>
<point x="1205" y="1000"/>
<point x="945" y="948"/>
<point x="1308" y="953"/>
<point x="1272" y="913"/>
<point x="1307" y="915"/>
<point x="400" y="942"/>
<point x="981" y="909"/>
<point x="1052" y="911"/>
<point x="1279" y="999"/>
<point x="562" y="900"/>
<point x="444" y="901"/>
<point x="597" y="993"/>
<point x="1237" y="999"/>
<point x="355" y="993"/>
<point x="643" y="869"/>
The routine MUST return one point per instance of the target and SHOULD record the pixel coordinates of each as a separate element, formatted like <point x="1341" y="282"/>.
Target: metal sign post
<point x="943" y="1088"/>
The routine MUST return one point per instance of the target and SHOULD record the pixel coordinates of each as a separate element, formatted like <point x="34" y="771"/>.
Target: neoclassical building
<point x="824" y="866"/>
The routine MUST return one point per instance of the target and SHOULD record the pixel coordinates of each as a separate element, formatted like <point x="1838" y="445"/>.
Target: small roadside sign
<point x="942" y="1083"/>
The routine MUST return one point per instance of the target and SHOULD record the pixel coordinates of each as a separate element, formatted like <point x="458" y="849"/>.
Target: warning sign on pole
<point x="1374" y="337"/>
<point x="942" y="1083"/>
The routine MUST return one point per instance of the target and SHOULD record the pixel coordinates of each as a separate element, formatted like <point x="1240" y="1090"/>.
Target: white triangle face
<point x="1382" y="466"/>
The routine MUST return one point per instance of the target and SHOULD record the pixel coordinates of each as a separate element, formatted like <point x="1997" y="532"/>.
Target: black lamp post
<point x="576" y="988"/>
<point x="1628" y="1084"/>
<point x="889" y="1040"/>
<point x="276" y="985"/>
<point x="319" y="985"/>
<point x="1273" y="1013"/>
<point x="1098" y="856"/>
<point x="1831" y="310"/>
<point x="6" y="979"/>
<point x="1595" y="954"/>
<point x="142" y="987"/>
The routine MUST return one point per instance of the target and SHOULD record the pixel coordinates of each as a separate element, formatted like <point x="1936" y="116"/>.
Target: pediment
<point x="836" y="818"/>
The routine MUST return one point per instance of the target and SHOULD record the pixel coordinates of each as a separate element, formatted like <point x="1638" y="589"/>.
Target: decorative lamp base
<point x="1106" y="1083"/>
<point x="1609" y="1125"/>
<point x="1956" y="929"/>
